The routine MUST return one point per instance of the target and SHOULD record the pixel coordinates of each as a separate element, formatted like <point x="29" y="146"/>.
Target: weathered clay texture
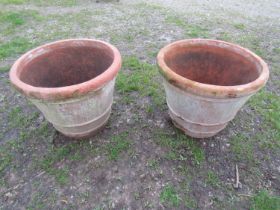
<point x="71" y="82"/>
<point x="207" y="82"/>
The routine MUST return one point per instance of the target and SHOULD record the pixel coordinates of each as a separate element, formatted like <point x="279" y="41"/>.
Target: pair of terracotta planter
<point x="72" y="83"/>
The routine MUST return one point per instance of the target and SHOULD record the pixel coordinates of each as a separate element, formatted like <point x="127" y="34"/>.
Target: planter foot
<point x="85" y="130"/>
<point x="193" y="129"/>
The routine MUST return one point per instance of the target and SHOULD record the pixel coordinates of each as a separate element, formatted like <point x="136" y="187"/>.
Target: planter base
<point x="194" y="129"/>
<point x="87" y="129"/>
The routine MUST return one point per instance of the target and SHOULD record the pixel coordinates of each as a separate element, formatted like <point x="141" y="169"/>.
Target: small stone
<point x="8" y="194"/>
<point x="115" y="169"/>
<point x="142" y="176"/>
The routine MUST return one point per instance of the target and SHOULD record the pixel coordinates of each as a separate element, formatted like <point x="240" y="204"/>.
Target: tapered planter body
<point x="207" y="82"/>
<point x="71" y="82"/>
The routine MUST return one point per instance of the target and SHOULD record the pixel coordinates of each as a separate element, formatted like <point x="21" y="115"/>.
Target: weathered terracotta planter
<point x="207" y="82"/>
<point x="71" y="82"/>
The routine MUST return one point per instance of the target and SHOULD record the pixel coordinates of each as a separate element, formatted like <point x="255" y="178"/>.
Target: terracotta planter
<point x="207" y="82"/>
<point x="71" y="82"/>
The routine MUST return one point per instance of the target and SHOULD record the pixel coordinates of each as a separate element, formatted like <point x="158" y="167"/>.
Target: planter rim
<point x="65" y="92"/>
<point x="209" y="90"/>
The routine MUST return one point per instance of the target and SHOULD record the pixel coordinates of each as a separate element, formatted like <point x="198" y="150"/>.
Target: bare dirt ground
<point x="139" y="161"/>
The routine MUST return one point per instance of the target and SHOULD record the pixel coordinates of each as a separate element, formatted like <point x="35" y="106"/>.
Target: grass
<point x="140" y="77"/>
<point x="276" y="50"/>
<point x="12" y="1"/>
<point x="153" y="164"/>
<point x="179" y="143"/>
<point x="192" y="31"/>
<point x="267" y="105"/>
<point x="242" y="147"/>
<point x="190" y="202"/>
<point x="239" y="26"/>
<point x="36" y="202"/>
<point x="212" y="179"/>
<point x="119" y="144"/>
<point x="42" y="2"/>
<point x="61" y="175"/>
<point x="18" y="119"/>
<point x="169" y="196"/>
<point x="14" y="47"/>
<point x="264" y="201"/>
<point x="48" y="164"/>
<point x="171" y="155"/>
<point x="5" y="159"/>
<point x="5" y="69"/>
<point x="13" y="18"/>
<point x="64" y="3"/>
<point x="252" y="42"/>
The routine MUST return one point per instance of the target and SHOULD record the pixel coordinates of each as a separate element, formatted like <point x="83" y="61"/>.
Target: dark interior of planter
<point x="212" y="65"/>
<point x="67" y="66"/>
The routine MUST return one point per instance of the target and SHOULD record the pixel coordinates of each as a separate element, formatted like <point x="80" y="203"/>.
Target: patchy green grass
<point x="192" y="31"/>
<point x="61" y="175"/>
<point x="4" y="69"/>
<point x="252" y="42"/>
<point x="242" y="147"/>
<point x="190" y="202"/>
<point x="267" y="105"/>
<point x="42" y="2"/>
<point x="129" y="35"/>
<point x="5" y="159"/>
<point x="18" y="119"/>
<point x="36" y="202"/>
<point x="12" y="1"/>
<point x="264" y="201"/>
<point x="153" y="164"/>
<point x="180" y="145"/>
<point x="171" y="155"/>
<point x="239" y="26"/>
<point x="276" y="50"/>
<point x="118" y="144"/>
<point x="169" y="196"/>
<point x="225" y="36"/>
<point x="212" y="179"/>
<point x="55" y="156"/>
<point x="64" y="3"/>
<point x="14" y="47"/>
<point x="13" y="18"/>
<point x="140" y="77"/>
<point x="11" y="21"/>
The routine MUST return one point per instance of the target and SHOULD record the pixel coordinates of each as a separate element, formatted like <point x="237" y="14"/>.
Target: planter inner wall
<point x="212" y="65"/>
<point x="66" y="66"/>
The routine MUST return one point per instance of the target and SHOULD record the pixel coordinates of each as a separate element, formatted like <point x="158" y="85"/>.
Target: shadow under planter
<point x="71" y="82"/>
<point x="207" y="82"/>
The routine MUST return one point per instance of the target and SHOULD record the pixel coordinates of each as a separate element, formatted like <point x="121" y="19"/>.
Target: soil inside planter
<point x="212" y="65"/>
<point x="67" y="66"/>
